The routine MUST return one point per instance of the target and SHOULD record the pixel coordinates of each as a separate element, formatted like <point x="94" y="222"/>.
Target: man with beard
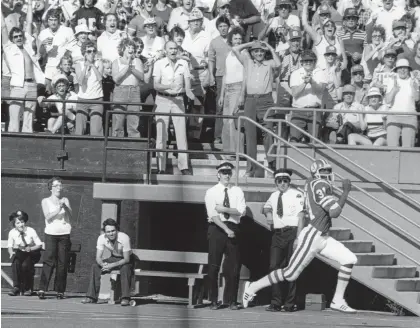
<point x="109" y="40"/>
<point x="225" y="205"/>
<point x="91" y="16"/>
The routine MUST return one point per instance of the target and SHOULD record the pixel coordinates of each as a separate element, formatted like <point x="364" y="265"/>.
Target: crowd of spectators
<point x="230" y="57"/>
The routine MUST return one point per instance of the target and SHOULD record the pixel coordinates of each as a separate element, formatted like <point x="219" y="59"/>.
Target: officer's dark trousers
<point x="219" y="244"/>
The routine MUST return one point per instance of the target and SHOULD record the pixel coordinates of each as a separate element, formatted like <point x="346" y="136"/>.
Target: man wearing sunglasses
<point x="284" y="212"/>
<point x="225" y="206"/>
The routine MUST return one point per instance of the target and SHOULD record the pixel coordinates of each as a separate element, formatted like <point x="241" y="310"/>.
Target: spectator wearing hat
<point x="307" y="84"/>
<point x="342" y="125"/>
<point x="119" y="245"/>
<point x="280" y="34"/>
<point x="258" y="88"/>
<point x="399" y="40"/>
<point x="283" y="15"/>
<point x="171" y="77"/>
<point x="325" y="12"/>
<point x="60" y="85"/>
<point x="153" y="44"/>
<point x="354" y="40"/>
<point x="127" y="72"/>
<point x="109" y="40"/>
<point x="24" y="247"/>
<point x="25" y="73"/>
<point x="324" y="40"/>
<point x="136" y="25"/>
<point x="384" y="73"/>
<point x="401" y="95"/>
<point x="225" y="205"/>
<point x="358" y="81"/>
<point x="197" y="42"/>
<point x="75" y="47"/>
<point x="89" y="74"/>
<point x="375" y="133"/>
<point x="285" y="215"/>
<point x="362" y="8"/>
<point x="179" y="16"/>
<point x="89" y="15"/>
<point x="385" y="15"/>
<point x="218" y="51"/>
<point x="333" y="73"/>
<point x="53" y="43"/>
<point x="223" y="7"/>
<point x="374" y="51"/>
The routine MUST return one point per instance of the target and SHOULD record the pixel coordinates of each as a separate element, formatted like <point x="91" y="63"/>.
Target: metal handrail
<point x="407" y="235"/>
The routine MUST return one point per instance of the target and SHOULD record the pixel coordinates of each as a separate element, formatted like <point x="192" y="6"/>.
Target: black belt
<point x="284" y="80"/>
<point x="29" y="80"/>
<point x="164" y="94"/>
<point x="285" y="229"/>
<point x="258" y="95"/>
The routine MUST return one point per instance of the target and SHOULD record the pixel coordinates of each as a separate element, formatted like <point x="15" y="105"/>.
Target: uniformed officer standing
<point x="284" y="212"/>
<point x="225" y="206"/>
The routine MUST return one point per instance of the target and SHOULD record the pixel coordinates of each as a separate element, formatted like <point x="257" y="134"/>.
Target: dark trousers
<point x="23" y="269"/>
<point x="56" y="256"/>
<point x="255" y="108"/>
<point x="218" y="125"/>
<point x="303" y="120"/>
<point x="284" y="293"/>
<point x="126" y="272"/>
<point x="219" y="244"/>
<point x="345" y="130"/>
<point x="146" y="89"/>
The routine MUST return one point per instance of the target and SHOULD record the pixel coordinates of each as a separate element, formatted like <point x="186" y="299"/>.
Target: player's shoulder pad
<point x="321" y="184"/>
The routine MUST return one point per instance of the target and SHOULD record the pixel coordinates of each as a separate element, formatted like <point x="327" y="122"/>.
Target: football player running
<point x="321" y="207"/>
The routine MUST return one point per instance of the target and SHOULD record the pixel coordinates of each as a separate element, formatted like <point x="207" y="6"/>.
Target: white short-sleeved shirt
<point x="121" y="245"/>
<point x="152" y="49"/>
<point x="198" y="47"/>
<point x="404" y="99"/>
<point x="63" y="36"/>
<point x="164" y="73"/>
<point x="291" y="21"/>
<point x="15" y="238"/>
<point x="216" y="195"/>
<point x="350" y="117"/>
<point x="308" y="98"/>
<point x="59" y="105"/>
<point x="108" y="45"/>
<point x="292" y="205"/>
<point x="385" y="18"/>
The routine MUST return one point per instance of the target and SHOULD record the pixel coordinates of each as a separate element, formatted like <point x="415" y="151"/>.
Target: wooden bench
<point x="147" y="255"/>
<point x="75" y="248"/>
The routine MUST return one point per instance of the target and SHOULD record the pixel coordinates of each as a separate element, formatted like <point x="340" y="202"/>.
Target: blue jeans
<point x="229" y="132"/>
<point x="127" y="93"/>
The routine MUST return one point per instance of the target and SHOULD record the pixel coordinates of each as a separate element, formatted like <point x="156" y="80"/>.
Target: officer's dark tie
<point x="226" y="203"/>
<point x="280" y="206"/>
<point x="22" y="235"/>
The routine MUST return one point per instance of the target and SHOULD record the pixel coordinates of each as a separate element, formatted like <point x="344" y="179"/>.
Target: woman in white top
<point x="401" y="96"/>
<point x="375" y="133"/>
<point x="58" y="214"/>
<point x="230" y="92"/>
<point x="127" y="72"/>
<point x="24" y="247"/>
<point x="321" y="42"/>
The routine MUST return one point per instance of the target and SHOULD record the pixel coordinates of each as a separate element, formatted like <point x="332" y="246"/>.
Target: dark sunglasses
<point x="283" y="7"/>
<point x="282" y="180"/>
<point x="225" y="172"/>
<point x="17" y="36"/>
<point x="390" y="56"/>
<point x="90" y="51"/>
<point x="358" y="73"/>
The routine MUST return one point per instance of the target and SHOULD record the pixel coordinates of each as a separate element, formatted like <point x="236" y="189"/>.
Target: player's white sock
<point x="344" y="275"/>
<point x="272" y="278"/>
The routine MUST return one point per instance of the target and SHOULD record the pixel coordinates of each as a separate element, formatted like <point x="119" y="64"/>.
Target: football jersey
<point x="318" y="201"/>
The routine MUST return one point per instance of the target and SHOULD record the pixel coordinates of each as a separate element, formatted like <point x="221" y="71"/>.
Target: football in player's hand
<point x="346" y="185"/>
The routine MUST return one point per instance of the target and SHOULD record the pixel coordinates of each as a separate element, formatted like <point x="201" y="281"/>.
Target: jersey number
<point x="321" y="192"/>
<point x="91" y="24"/>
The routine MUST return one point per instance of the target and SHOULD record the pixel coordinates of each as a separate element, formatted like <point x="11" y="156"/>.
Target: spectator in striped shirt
<point x="363" y="12"/>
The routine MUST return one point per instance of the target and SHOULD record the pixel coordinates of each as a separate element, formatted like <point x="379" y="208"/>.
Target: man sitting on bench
<point x="118" y="243"/>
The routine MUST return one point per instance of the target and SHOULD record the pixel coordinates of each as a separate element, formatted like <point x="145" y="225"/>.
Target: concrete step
<point x="407" y="285"/>
<point x="371" y="259"/>
<point x="394" y="272"/>
<point x="358" y="246"/>
<point x="340" y="233"/>
<point x="418" y="298"/>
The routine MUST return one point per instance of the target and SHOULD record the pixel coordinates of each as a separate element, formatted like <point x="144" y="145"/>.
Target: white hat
<point x="374" y="91"/>
<point x="195" y="14"/>
<point x="222" y="3"/>
<point x="402" y="62"/>
<point x="57" y="78"/>
<point x="149" y="21"/>
<point x="82" y="28"/>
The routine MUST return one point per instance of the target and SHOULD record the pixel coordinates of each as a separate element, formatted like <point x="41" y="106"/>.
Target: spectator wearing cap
<point x="25" y="74"/>
<point x="136" y="25"/>
<point x="374" y="52"/>
<point x="223" y="7"/>
<point x="218" y="51"/>
<point x="326" y="39"/>
<point x="384" y="72"/>
<point x="23" y="245"/>
<point x="60" y="85"/>
<point x="375" y="133"/>
<point x="385" y="15"/>
<point x="280" y="34"/>
<point x="307" y="84"/>
<point x="399" y="40"/>
<point x="354" y="40"/>
<point x="358" y="81"/>
<point x="179" y="16"/>
<point x="153" y="44"/>
<point x="342" y="125"/>
<point x="89" y="15"/>
<point x="171" y="79"/>
<point x="109" y="40"/>
<point x="53" y="43"/>
<point x="89" y="74"/>
<point x="363" y="10"/>
<point x="75" y="47"/>
<point x="325" y="12"/>
<point x="225" y="205"/>
<point x="285" y="215"/>
<point x="257" y="95"/>
<point x="197" y="42"/>
<point x="333" y="74"/>
<point x="127" y="72"/>
<point x="230" y="92"/>
<point x="245" y="15"/>
<point x="401" y="96"/>
<point x="283" y="15"/>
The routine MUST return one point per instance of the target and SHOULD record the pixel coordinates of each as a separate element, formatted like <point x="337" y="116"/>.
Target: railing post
<point x="148" y="153"/>
<point x="105" y="150"/>
<point x="314" y="131"/>
<point x="238" y="138"/>
<point x="278" y="145"/>
<point x="63" y="115"/>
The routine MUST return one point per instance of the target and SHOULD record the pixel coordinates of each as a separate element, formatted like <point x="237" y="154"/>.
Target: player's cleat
<point x="247" y="296"/>
<point x="342" y="307"/>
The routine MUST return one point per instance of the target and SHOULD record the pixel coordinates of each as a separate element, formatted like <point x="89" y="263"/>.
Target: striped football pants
<point x="310" y="243"/>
